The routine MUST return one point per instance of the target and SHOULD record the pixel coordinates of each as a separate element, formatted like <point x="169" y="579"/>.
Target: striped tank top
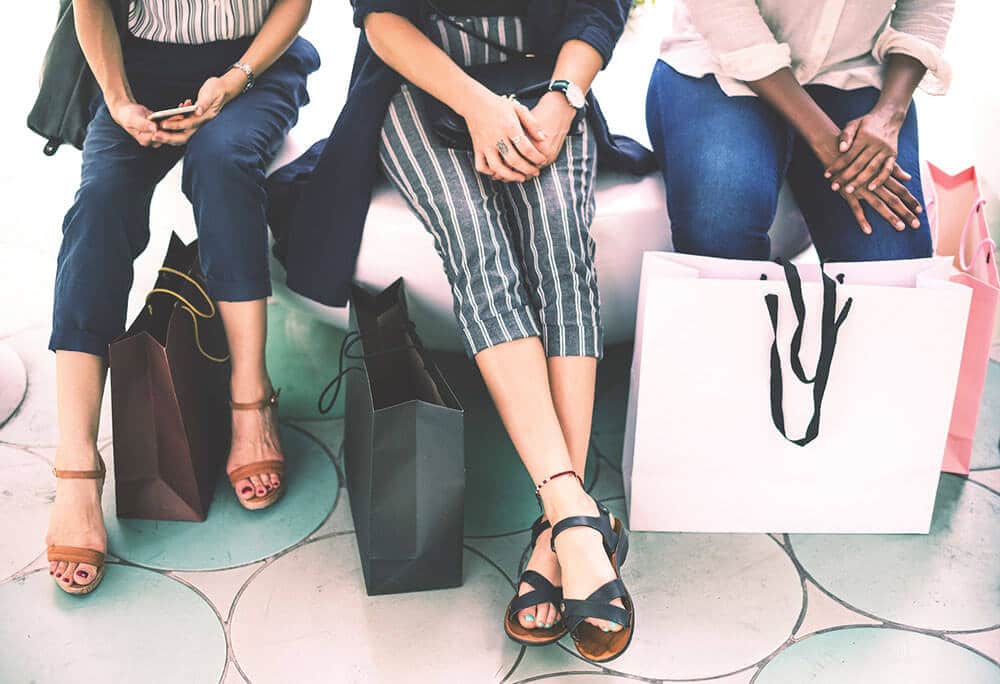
<point x="196" y="21"/>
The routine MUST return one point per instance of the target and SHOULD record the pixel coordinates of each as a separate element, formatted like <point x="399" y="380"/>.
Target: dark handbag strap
<point x="350" y="339"/>
<point x="510" y="52"/>
<point x="831" y="322"/>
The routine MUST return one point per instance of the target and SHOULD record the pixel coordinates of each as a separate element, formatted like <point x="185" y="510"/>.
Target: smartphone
<point x="167" y="113"/>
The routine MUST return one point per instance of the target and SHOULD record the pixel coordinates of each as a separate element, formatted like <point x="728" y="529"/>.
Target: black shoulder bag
<point x="524" y="77"/>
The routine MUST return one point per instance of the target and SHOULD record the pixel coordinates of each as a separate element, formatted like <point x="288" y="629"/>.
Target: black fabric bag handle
<point x="831" y="322"/>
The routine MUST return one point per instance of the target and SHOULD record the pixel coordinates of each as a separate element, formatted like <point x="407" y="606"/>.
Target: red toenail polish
<point x="82" y="573"/>
<point x="247" y="490"/>
<point x="58" y="574"/>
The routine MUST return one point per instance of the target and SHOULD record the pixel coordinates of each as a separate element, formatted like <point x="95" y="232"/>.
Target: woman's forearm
<point x="410" y="53"/>
<point x="102" y="47"/>
<point x="578" y="62"/>
<point x="902" y="76"/>
<point x="280" y="29"/>
<point x="784" y="93"/>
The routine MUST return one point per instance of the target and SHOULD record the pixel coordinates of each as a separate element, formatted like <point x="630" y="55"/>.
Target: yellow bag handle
<point x="190" y="308"/>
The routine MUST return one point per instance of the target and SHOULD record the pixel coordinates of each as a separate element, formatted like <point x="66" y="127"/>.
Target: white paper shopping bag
<point x="703" y="449"/>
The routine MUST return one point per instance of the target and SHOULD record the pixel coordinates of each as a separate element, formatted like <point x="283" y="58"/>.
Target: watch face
<point x="575" y="96"/>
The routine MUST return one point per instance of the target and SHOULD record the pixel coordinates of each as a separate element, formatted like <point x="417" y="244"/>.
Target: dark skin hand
<point x="891" y="200"/>
<point x="869" y="144"/>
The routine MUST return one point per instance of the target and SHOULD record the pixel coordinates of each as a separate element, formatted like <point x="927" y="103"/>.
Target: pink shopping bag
<point x="958" y="226"/>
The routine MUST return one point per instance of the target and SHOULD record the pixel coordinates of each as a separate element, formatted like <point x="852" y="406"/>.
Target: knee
<point x="109" y="216"/>
<point x="722" y="207"/>
<point x="220" y="156"/>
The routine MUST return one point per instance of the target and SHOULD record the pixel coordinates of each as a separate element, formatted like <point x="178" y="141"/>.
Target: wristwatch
<point x="248" y="71"/>
<point x="571" y="90"/>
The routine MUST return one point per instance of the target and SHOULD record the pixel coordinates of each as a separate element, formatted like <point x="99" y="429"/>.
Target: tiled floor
<point x="278" y="596"/>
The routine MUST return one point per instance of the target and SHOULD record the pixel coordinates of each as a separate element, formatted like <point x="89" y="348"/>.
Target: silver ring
<point x="502" y="148"/>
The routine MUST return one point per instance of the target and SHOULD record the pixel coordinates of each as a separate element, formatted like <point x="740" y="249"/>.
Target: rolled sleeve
<point x="739" y="38"/>
<point x="919" y="28"/>
<point x="599" y="23"/>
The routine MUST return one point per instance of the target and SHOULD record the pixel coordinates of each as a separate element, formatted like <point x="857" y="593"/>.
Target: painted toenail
<point x="58" y="574"/>
<point x="82" y="573"/>
<point x="529" y="618"/>
<point x="248" y="490"/>
<point x="605" y="629"/>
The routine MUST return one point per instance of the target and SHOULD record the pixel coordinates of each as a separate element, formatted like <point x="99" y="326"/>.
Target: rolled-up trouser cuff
<point x="238" y="290"/>
<point x="72" y="339"/>
<point x="506" y="326"/>
<point x="574" y="340"/>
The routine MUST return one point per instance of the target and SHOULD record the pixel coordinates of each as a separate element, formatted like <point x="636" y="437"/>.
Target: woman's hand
<point x="554" y="115"/>
<point x="134" y="119"/>
<point x="891" y="200"/>
<point x="503" y="132"/>
<point x="868" y="147"/>
<point x="213" y="95"/>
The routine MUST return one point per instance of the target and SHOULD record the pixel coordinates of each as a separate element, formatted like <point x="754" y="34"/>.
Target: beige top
<point x="841" y="43"/>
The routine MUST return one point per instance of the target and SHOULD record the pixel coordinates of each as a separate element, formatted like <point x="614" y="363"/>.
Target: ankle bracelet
<point x="538" y="487"/>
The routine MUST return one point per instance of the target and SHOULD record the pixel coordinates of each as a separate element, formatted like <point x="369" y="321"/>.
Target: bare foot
<point x="582" y="558"/>
<point x="545" y="563"/>
<point x="255" y="438"/>
<point x="76" y="518"/>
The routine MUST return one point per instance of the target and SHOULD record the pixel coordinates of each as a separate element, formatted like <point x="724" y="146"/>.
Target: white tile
<point x="219" y="586"/>
<point x="823" y="612"/>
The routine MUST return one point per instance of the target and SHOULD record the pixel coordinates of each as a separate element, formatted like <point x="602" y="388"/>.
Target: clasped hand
<point x="862" y="167"/>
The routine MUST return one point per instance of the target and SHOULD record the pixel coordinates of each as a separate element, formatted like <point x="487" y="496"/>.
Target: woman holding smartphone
<point x="243" y="69"/>
<point x="748" y="93"/>
<point x="510" y="218"/>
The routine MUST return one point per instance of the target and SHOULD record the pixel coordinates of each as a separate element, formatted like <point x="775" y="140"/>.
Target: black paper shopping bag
<point x="403" y="452"/>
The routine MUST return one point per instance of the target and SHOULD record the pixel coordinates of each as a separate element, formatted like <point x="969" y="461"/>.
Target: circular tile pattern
<point x="232" y="536"/>
<point x="873" y="655"/>
<point x="946" y="580"/>
<point x="985" y="452"/>
<point x="26" y="492"/>
<point x="699" y="612"/>
<point x="138" y="626"/>
<point x="13" y="382"/>
<point x="306" y="618"/>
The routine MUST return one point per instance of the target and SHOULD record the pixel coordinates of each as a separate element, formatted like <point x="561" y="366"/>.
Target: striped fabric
<point x="196" y="21"/>
<point x="519" y="256"/>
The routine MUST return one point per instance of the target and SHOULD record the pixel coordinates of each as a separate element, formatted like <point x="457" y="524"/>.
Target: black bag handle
<point x="831" y="322"/>
<point x="350" y="339"/>
<point x="510" y="52"/>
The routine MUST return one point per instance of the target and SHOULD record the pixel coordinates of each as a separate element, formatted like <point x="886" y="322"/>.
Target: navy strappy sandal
<point x="543" y="591"/>
<point x="593" y="643"/>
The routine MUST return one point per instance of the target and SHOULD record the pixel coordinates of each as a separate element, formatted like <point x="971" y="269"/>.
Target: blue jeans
<point x="724" y="159"/>
<point x="224" y="171"/>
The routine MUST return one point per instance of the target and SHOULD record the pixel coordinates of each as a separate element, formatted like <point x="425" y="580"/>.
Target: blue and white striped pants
<point x="518" y="255"/>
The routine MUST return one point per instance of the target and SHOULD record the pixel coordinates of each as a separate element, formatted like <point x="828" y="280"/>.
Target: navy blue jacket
<point x="317" y="204"/>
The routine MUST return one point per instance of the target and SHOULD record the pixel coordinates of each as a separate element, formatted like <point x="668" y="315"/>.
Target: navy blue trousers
<point x="223" y="177"/>
<point x="724" y="160"/>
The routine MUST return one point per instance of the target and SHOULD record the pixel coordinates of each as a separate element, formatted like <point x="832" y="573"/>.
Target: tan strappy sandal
<point x="78" y="554"/>
<point x="260" y="467"/>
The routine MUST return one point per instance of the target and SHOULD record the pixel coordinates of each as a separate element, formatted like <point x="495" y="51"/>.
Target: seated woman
<point x="232" y="57"/>
<point x="510" y="219"/>
<point x="748" y="93"/>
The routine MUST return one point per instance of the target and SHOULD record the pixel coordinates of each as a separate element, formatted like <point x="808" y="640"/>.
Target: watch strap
<point x="248" y="72"/>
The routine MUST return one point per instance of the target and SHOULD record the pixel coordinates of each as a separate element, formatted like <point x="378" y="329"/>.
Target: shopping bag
<point x="955" y="209"/>
<point x="761" y="402"/>
<point x="169" y="397"/>
<point x="404" y="451"/>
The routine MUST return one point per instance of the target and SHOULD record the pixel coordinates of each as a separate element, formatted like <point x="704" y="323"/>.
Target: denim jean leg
<point x="723" y="160"/>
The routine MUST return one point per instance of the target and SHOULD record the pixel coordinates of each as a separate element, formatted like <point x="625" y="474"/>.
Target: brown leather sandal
<point x="78" y="554"/>
<point x="260" y="467"/>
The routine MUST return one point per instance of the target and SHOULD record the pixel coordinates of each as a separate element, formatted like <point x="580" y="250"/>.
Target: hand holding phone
<point x="176" y="111"/>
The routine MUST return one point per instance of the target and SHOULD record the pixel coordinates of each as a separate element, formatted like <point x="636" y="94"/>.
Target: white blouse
<point x="841" y="43"/>
<point x="196" y="21"/>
